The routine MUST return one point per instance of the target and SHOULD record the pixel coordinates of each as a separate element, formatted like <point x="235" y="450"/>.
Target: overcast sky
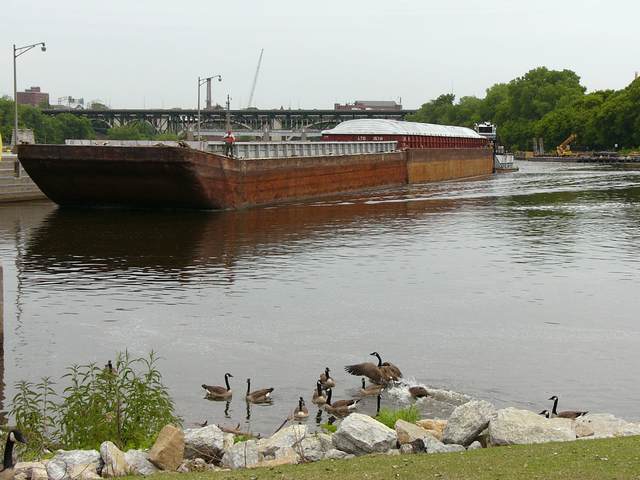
<point x="135" y="53"/>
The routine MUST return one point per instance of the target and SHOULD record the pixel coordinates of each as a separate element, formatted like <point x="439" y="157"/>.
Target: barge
<point x="177" y="177"/>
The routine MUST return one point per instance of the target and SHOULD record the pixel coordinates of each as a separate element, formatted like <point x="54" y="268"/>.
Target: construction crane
<point x="255" y="79"/>
<point x="564" y="149"/>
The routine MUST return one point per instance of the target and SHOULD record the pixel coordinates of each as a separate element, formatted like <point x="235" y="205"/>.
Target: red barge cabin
<point x="407" y="134"/>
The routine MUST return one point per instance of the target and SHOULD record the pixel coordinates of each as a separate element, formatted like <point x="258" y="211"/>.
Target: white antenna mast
<point x="255" y="79"/>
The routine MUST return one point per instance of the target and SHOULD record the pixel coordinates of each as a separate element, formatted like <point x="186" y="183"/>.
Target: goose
<point x="381" y="374"/>
<point x="216" y="392"/>
<point x="319" y="398"/>
<point x="108" y="368"/>
<point x="325" y="379"/>
<point x="544" y="413"/>
<point x="258" y="396"/>
<point x="371" y="390"/>
<point x="339" y="408"/>
<point x="300" y="412"/>
<point x="14" y="436"/>
<point x="565" y="414"/>
<point x="418" y="392"/>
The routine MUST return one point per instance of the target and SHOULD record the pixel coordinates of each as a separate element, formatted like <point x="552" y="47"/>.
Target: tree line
<point x="550" y="104"/>
<point x="55" y="129"/>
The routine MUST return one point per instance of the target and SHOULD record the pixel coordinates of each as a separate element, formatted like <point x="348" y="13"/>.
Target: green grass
<point x="617" y="458"/>
<point x="389" y="416"/>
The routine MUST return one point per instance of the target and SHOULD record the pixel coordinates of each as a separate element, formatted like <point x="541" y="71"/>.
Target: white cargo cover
<point x="380" y="126"/>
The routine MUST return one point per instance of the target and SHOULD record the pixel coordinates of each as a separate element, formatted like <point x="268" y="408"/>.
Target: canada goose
<point x="565" y="414"/>
<point x="339" y="408"/>
<point x="108" y="368"/>
<point x="325" y="379"/>
<point x="216" y="392"/>
<point x="258" y="396"/>
<point x="14" y="436"/>
<point x="418" y="392"/>
<point x="319" y="398"/>
<point x="544" y="413"/>
<point x="371" y="390"/>
<point x="381" y="374"/>
<point x="301" y="412"/>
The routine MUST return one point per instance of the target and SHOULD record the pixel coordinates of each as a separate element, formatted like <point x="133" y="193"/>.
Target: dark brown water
<point x="511" y="289"/>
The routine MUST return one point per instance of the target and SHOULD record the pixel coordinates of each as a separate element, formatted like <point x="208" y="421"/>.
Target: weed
<point x="389" y="417"/>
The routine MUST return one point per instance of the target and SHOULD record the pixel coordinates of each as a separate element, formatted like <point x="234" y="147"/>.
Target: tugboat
<point x="503" y="161"/>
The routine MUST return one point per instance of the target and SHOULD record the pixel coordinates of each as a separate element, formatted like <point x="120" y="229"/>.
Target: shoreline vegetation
<point x="119" y="420"/>
<point x="543" y="103"/>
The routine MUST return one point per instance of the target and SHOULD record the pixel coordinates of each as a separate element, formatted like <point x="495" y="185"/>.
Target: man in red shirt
<point x="229" y="140"/>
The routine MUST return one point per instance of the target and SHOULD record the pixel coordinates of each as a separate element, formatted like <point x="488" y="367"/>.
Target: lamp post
<point x="202" y="81"/>
<point x="17" y="51"/>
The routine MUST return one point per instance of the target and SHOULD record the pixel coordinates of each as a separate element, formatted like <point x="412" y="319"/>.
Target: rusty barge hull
<point x="173" y="177"/>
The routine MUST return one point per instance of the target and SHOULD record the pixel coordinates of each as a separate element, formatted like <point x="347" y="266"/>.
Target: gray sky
<point x="137" y="53"/>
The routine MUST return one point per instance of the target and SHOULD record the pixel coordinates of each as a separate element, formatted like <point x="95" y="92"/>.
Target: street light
<point x="17" y="51"/>
<point x="202" y="81"/>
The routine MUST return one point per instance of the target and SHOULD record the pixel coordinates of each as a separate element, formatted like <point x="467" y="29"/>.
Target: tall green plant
<point x="128" y="405"/>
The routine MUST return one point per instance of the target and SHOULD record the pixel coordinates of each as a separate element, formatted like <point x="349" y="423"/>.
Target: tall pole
<point x="198" y="137"/>
<point x="15" y="98"/>
<point x="228" y="119"/>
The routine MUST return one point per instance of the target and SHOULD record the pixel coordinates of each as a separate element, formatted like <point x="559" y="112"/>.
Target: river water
<point x="511" y="289"/>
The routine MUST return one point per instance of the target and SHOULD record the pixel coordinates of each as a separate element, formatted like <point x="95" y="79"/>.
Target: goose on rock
<point x="14" y="436"/>
<point x="217" y="392"/>
<point x="572" y="414"/>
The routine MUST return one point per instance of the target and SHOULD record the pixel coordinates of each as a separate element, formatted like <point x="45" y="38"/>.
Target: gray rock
<point x="64" y="463"/>
<point x="287" y="437"/>
<point x="138" y="463"/>
<point x="393" y="452"/>
<point x="360" y="434"/>
<point x="335" y="454"/>
<point x="467" y="421"/>
<point x="206" y="443"/>
<point x="228" y="440"/>
<point x="431" y="444"/>
<point x="242" y="455"/>
<point x="115" y="464"/>
<point x="31" y="470"/>
<point x="313" y="447"/>
<point x="406" y="449"/>
<point x="605" y="425"/>
<point x="513" y="427"/>
<point x="475" y="446"/>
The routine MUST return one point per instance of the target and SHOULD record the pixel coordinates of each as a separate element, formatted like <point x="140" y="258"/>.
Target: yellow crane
<point x="564" y="149"/>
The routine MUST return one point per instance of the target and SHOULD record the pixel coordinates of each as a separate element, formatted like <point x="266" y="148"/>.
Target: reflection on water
<point x="512" y="288"/>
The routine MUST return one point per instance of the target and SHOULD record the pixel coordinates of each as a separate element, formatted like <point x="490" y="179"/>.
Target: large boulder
<point x="467" y="421"/>
<point x="168" y="451"/>
<point x="604" y="425"/>
<point x="512" y="426"/>
<point x="360" y="434"/>
<point x="287" y="437"/>
<point x="433" y="426"/>
<point x="408" y="432"/>
<point x="138" y="463"/>
<point x="242" y="455"/>
<point x="206" y="443"/>
<point x="113" y="459"/>
<point x="74" y="463"/>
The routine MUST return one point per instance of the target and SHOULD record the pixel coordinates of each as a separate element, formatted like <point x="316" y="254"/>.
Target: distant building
<point x="32" y="96"/>
<point x="69" y="102"/>
<point x="369" y="105"/>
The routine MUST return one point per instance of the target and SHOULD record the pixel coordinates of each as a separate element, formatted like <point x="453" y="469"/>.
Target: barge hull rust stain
<point x="172" y="177"/>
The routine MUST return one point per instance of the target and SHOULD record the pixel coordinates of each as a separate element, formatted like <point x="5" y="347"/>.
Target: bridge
<point x="251" y="122"/>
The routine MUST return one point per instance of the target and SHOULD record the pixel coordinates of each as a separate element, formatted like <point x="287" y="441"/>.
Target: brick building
<point x="33" y="96"/>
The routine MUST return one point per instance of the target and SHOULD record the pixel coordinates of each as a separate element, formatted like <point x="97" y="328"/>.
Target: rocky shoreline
<point x="472" y="425"/>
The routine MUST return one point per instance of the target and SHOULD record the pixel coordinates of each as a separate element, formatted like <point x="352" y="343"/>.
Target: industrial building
<point x="33" y="96"/>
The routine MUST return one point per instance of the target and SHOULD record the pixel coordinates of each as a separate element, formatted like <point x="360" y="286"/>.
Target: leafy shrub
<point x="128" y="405"/>
<point x="389" y="417"/>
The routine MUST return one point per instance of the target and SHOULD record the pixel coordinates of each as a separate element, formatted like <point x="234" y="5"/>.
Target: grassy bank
<point x="589" y="459"/>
